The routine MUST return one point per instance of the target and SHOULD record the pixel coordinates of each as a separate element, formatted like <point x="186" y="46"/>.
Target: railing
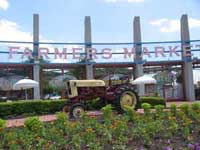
<point x="52" y="52"/>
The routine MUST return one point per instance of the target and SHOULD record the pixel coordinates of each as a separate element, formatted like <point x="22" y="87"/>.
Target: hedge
<point x="10" y="109"/>
<point x="38" y="107"/>
<point x="153" y="101"/>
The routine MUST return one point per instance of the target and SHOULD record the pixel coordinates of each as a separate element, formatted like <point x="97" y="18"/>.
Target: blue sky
<point x="112" y="20"/>
<point x="63" y="20"/>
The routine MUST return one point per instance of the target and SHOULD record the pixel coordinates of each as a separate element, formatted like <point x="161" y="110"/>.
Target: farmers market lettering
<point x="105" y="53"/>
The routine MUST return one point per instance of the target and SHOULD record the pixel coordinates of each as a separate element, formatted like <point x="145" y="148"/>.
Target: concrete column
<point x="36" y="67"/>
<point x="88" y="39"/>
<point x="187" y="66"/>
<point x="138" y="71"/>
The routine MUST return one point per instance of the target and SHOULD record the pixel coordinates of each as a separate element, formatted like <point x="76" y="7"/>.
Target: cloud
<point x="193" y="23"/>
<point x="4" y="4"/>
<point x="11" y="31"/>
<point x="127" y="1"/>
<point x="172" y="25"/>
<point x="158" y="22"/>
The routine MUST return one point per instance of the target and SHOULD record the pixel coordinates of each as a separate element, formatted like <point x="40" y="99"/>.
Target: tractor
<point x="80" y="91"/>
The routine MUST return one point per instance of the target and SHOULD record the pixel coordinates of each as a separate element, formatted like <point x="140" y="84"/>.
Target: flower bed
<point x="173" y="129"/>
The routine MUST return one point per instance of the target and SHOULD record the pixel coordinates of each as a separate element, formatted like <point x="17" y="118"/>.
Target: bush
<point x="61" y="117"/>
<point x="38" y="107"/>
<point x="8" y="109"/>
<point x="196" y="106"/>
<point x="153" y="101"/>
<point x="33" y="124"/>
<point x="107" y="111"/>
<point x="173" y="109"/>
<point x="159" y="108"/>
<point x="130" y="112"/>
<point x="146" y="107"/>
<point x="2" y="124"/>
<point x="184" y="108"/>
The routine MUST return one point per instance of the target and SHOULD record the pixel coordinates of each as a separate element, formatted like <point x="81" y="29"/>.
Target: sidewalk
<point x="179" y="103"/>
<point x="20" y="122"/>
<point x="44" y="118"/>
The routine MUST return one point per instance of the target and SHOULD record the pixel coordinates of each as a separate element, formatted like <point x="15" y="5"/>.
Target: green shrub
<point x="37" y="107"/>
<point x="159" y="108"/>
<point x="130" y="112"/>
<point x="33" y="124"/>
<point x="30" y="107"/>
<point x="61" y="117"/>
<point x="173" y="109"/>
<point x="184" y="108"/>
<point x="107" y="113"/>
<point x="146" y="107"/>
<point x="196" y="106"/>
<point x="151" y="100"/>
<point x="2" y="124"/>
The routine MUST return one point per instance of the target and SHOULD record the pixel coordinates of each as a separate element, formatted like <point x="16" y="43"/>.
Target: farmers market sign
<point x="104" y="53"/>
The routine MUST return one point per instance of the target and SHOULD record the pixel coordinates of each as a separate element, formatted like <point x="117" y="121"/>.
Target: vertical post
<point x="88" y="41"/>
<point x="187" y="66"/>
<point x="138" y="50"/>
<point x="36" y="67"/>
<point x="31" y="77"/>
<point x="63" y="90"/>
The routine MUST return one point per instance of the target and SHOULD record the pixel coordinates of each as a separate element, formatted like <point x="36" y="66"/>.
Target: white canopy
<point x="25" y="84"/>
<point x="144" y="80"/>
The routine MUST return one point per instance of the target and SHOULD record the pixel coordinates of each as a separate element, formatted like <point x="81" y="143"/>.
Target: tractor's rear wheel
<point x="126" y="97"/>
<point x="76" y="111"/>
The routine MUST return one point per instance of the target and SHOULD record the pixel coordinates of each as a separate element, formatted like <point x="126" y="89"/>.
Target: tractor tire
<point x="125" y="95"/>
<point x="65" y="109"/>
<point x="76" y="111"/>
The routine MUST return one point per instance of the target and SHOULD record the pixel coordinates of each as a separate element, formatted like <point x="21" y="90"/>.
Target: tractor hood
<point x="87" y="83"/>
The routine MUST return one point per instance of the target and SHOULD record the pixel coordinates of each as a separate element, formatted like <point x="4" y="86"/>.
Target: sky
<point x="111" y="20"/>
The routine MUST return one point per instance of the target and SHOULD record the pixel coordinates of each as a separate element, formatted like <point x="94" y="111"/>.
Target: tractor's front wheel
<point x="76" y="111"/>
<point x="126" y="97"/>
<point x="65" y="109"/>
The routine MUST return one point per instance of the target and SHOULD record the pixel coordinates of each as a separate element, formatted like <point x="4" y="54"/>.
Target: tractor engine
<point x="89" y="93"/>
<point x="83" y="90"/>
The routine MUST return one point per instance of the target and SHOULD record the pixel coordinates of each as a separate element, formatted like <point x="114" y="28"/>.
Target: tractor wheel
<point x="65" y="109"/>
<point x="76" y="111"/>
<point x="126" y="96"/>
